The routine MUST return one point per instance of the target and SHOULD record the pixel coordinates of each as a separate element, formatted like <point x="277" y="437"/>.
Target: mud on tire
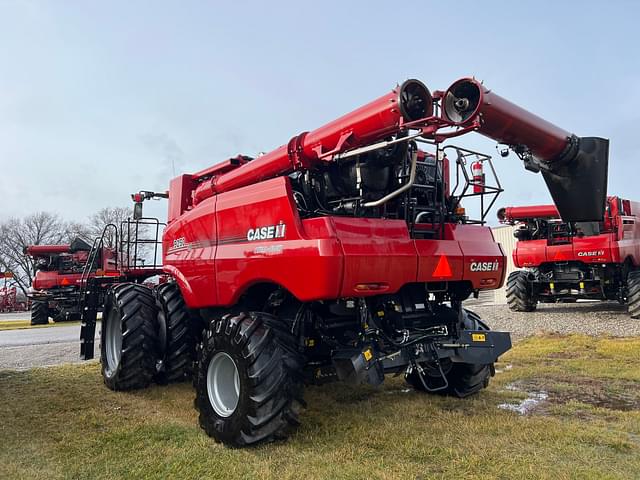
<point x="129" y="337"/>
<point x="518" y="293"/>
<point x="39" y="313"/>
<point x="633" y="293"/>
<point x="177" y="340"/>
<point x="268" y="383"/>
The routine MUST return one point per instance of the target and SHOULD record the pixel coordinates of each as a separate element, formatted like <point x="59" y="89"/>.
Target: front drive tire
<point x="518" y="292"/>
<point x="129" y="338"/>
<point x="464" y="379"/>
<point x="178" y="344"/>
<point x="249" y="380"/>
<point x="633" y="293"/>
<point x="39" y="313"/>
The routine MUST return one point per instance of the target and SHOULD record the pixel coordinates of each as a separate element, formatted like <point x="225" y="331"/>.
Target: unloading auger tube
<point x="574" y="168"/>
<point x="407" y="104"/>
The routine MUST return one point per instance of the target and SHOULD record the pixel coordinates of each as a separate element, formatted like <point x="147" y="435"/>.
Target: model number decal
<point x="178" y="242"/>
<point x="266" y="233"/>
<point x="484" y="266"/>
<point x="592" y="253"/>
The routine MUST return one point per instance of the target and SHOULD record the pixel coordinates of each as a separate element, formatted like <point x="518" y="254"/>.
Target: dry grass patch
<point x="62" y="422"/>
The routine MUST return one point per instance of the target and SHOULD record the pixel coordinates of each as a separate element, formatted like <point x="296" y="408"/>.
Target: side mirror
<point x="137" y="210"/>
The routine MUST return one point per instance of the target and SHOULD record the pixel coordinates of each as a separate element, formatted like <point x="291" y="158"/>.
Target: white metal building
<point x="504" y="235"/>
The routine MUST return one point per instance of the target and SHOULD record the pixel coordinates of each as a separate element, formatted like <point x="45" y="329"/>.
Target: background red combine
<point x="344" y="254"/>
<point x="55" y="290"/>
<point x="566" y="261"/>
<point x="9" y="300"/>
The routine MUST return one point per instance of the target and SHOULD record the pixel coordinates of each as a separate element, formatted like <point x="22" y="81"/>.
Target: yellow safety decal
<point x="478" y="337"/>
<point x="310" y="342"/>
<point x="367" y="354"/>
<point x="381" y="313"/>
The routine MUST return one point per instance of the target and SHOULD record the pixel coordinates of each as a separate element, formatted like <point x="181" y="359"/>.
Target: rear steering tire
<point x="633" y="293"/>
<point x="249" y="383"/>
<point x="39" y="313"/>
<point x="518" y="293"/>
<point x="129" y="337"/>
<point x="463" y="379"/>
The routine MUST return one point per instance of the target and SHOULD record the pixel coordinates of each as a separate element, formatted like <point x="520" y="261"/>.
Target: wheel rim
<point x="113" y="341"/>
<point x="223" y="384"/>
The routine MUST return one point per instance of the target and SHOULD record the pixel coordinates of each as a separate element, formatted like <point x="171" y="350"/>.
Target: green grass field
<point x="62" y="422"/>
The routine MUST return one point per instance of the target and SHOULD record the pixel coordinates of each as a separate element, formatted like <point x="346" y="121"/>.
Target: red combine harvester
<point x="344" y="254"/>
<point x="566" y="261"/>
<point x="61" y="274"/>
<point x="9" y="301"/>
<point x="55" y="290"/>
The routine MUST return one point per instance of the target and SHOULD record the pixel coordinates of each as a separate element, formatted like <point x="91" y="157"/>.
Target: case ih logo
<point x="593" y="253"/>
<point x="266" y="233"/>
<point x="484" y="266"/>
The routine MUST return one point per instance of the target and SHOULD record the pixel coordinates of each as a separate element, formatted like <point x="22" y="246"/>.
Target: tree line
<point x="46" y="228"/>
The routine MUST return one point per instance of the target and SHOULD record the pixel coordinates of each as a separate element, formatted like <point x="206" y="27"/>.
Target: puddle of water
<point x="524" y="406"/>
<point x="506" y="367"/>
<point x="404" y="390"/>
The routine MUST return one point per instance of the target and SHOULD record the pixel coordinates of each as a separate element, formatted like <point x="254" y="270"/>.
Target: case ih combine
<point x="566" y="261"/>
<point x="9" y="301"/>
<point x="55" y="290"/>
<point x="343" y="254"/>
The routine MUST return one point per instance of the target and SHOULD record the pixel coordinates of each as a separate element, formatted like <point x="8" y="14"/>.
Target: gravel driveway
<point x="591" y="318"/>
<point x="57" y="345"/>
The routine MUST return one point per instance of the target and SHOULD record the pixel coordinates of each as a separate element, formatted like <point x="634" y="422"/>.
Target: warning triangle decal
<point x="442" y="268"/>
<point x="559" y="256"/>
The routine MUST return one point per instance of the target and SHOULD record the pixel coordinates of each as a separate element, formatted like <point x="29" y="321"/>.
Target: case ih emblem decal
<point x="593" y="253"/>
<point x="484" y="266"/>
<point x="266" y="233"/>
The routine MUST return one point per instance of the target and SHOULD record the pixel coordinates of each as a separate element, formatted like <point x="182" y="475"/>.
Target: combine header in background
<point x="344" y="254"/>
<point x="567" y="261"/>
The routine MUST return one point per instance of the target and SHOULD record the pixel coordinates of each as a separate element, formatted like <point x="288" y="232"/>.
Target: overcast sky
<point x="101" y="99"/>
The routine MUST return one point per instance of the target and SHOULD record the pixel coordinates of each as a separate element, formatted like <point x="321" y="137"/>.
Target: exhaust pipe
<point x="574" y="168"/>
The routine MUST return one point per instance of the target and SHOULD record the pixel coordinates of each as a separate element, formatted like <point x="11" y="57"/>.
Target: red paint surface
<point x="208" y="253"/>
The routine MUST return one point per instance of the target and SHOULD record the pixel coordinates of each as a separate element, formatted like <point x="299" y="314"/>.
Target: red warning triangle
<point x="559" y="256"/>
<point x="65" y="281"/>
<point x="442" y="268"/>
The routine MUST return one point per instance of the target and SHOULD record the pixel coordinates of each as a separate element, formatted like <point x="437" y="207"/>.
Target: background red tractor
<point x="344" y="254"/>
<point x="566" y="261"/>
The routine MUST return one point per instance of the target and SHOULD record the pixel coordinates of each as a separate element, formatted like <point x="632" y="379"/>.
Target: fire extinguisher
<point x="477" y="173"/>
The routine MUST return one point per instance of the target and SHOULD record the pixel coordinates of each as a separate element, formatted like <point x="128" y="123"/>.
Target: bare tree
<point x="16" y="234"/>
<point x="131" y="241"/>
<point x="110" y="216"/>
